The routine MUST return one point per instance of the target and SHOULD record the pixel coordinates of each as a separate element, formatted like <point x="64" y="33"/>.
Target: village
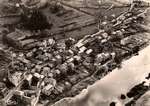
<point x="51" y="50"/>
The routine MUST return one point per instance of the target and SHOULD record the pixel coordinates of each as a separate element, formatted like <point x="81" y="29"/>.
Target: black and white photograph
<point x="74" y="52"/>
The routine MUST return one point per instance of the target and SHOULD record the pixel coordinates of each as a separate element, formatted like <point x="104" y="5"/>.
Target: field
<point x="61" y="48"/>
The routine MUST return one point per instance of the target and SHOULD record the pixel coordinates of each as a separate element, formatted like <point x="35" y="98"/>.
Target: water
<point x="120" y="81"/>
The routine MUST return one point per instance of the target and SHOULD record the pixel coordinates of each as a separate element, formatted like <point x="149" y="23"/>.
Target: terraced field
<point x="81" y="46"/>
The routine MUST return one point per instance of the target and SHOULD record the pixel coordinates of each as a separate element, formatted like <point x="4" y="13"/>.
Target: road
<point x="120" y="81"/>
